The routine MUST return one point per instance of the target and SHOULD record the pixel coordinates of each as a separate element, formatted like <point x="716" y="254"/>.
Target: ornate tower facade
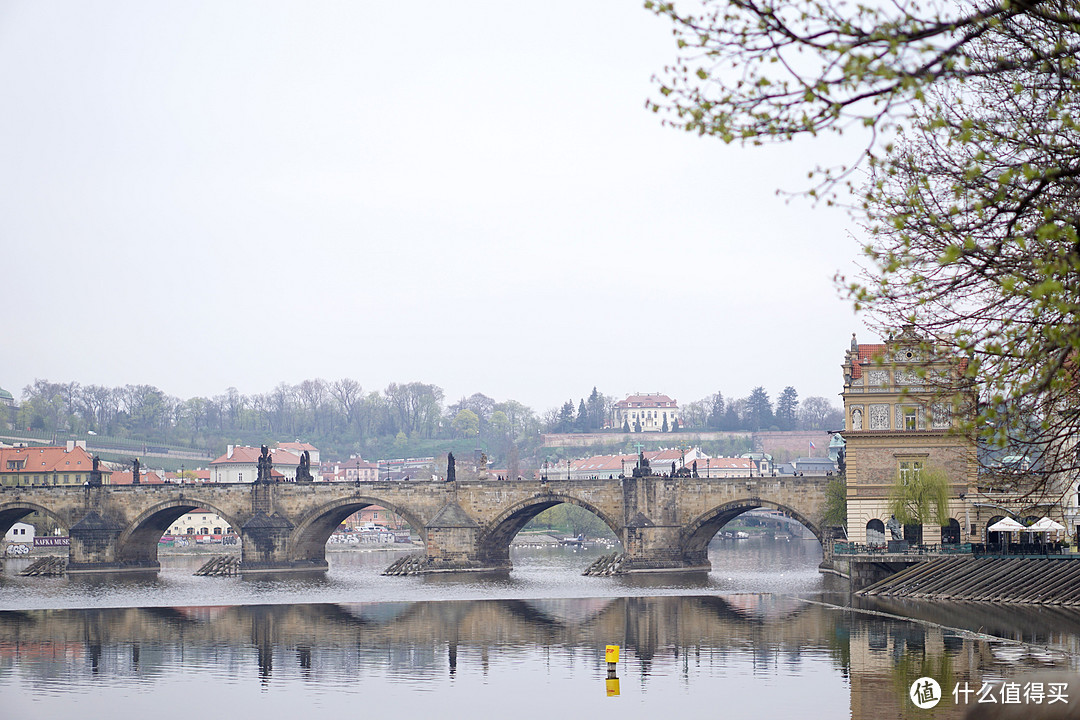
<point x="899" y="422"/>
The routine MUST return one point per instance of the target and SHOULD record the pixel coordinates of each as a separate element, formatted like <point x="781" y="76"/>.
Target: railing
<point x="976" y="549"/>
<point x="850" y="548"/>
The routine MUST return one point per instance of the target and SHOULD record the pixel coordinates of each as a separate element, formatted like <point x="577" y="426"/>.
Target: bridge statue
<point x="451" y="470"/>
<point x="136" y="472"/>
<point x="95" y="473"/>
<point x="643" y="469"/>
<point x="894" y="528"/>
<point x="264" y="466"/>
<point x="303" y="470"/>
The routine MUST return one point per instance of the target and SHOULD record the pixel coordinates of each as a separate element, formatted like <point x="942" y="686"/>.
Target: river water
<point x="763" y="635"/>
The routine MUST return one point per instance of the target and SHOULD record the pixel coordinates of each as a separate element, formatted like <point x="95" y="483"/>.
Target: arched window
<point x="875" y="533"/>
<point x="950" y="534"/>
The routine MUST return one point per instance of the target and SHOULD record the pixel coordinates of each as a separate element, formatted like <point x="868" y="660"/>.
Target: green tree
<point x="972" y="206"/>
<point x="716" y="412"/>
<point x="500" y="424"/>
<point x="920" y="497"/>
<point x="581" y="421"/>
<point x="467" y="423"/>
<point x="835" y="514"/>
<point x="759" y="413"/>
<point x="565" y="422"/>
<point x="787" y="406"/>
<point x="597" y="410"/>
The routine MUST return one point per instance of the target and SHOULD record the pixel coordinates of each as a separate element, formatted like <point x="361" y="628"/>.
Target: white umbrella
<point x="1006" y="525"/>
<point x="1046" y="525"/>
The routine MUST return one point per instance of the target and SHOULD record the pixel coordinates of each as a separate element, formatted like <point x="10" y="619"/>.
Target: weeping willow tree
<point x="835" y="503"/>
<point x="920" y="497"/>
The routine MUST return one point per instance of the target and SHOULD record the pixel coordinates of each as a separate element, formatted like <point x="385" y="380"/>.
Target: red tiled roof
<point x="47" y="459"/>
<point x="725" y="463"/>
<point x="868" y="353"/>
<point x="299" y="447"/>
<point x="243" y="455"/>
<point x="664" y="456"/>
<point x="124" y="478"/>
<point x="600" y="464"/>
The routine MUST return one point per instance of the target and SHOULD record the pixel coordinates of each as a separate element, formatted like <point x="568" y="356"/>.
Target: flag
<point x="812" y="445"/>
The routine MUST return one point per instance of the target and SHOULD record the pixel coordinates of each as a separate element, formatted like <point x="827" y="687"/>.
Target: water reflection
<point x="750" y="639"/>
<point x="754" y="653"/>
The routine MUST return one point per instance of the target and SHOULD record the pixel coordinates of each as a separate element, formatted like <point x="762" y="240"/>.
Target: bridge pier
<point x="648" y="547"/>
<point x="652" y="532"/>
<point x="453" y="544"/>
<point x="265" y="547"/>
<point x="94" y="548"/>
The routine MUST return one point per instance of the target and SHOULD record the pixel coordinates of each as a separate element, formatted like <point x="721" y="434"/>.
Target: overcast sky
<point x="197" y="195"/>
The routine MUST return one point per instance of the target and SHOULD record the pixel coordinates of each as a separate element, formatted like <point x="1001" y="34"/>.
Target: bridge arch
<point x="493" y="542"/>
<point x="138" y="543"/>
<point x="698" y="533"/>
<point x="307" y="542"/>
<point x="13" y="512"/>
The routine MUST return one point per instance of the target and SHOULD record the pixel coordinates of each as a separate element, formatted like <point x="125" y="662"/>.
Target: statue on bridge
<point x="303" y="470"/>
<point x="136" y="472"/>
<point x="264" y="466"/>
<point x="451" y="470"/>
<point x="95" y="472"/>
<point x="643" y="469"/>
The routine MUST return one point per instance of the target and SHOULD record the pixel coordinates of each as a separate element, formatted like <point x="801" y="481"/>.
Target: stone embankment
<point x="1041" y="581"/>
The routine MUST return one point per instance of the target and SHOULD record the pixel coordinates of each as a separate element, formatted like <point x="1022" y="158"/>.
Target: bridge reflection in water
<point x="752" y="654"/>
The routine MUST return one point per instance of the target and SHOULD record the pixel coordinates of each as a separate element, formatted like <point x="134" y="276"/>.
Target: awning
<point x="1046" y="525"/>
<point x="1006" y="525"/>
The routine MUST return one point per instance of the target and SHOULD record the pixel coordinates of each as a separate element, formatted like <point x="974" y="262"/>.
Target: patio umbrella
<point x="1007" y="525"/>
<point x="1046" y="525"/>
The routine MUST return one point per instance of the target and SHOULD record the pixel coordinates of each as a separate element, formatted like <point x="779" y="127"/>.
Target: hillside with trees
<point x="342" y="418"/>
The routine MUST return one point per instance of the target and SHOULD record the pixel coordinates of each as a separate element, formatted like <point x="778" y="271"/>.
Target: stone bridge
<point x="664" y="523"/>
